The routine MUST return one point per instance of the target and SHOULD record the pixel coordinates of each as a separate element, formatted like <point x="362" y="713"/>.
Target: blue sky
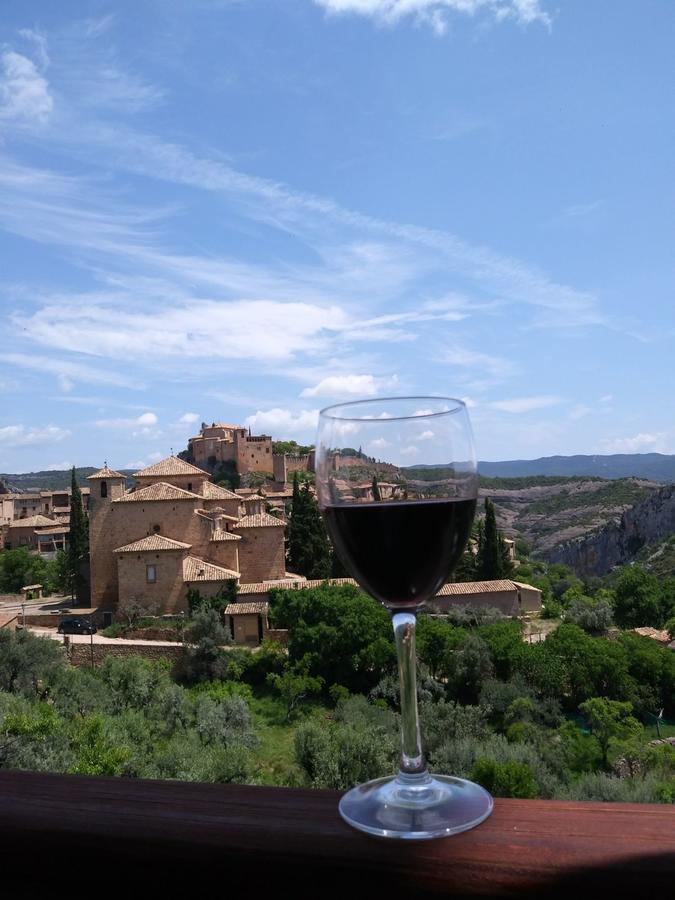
<point x="244" y="210"/>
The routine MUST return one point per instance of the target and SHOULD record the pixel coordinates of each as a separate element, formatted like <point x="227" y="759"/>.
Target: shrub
<point x="510" y="779"/>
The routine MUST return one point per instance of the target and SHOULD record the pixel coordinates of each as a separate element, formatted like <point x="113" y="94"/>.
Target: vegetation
<point x="19" y="568"/>
<point x="292" y="448"/>
<point x="77" y="555"/>
<point x="309" y="551"/>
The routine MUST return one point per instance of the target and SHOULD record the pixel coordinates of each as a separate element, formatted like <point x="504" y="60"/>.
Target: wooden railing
<point x="81" y="836"/>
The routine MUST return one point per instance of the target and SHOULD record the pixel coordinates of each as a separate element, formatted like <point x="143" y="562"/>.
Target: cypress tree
<point x="376" y="490"/>
<point x="490" y="561"/>
<point x="78" y="547"/>
<point x="309" y="551"/>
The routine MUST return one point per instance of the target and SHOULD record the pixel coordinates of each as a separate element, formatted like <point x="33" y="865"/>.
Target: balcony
<point x="59" y="832"/>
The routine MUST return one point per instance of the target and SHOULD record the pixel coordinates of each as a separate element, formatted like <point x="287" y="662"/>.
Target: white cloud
<point x="21" y="436"/>
<point x="434" y="12"/>
<point x="525" y="404"/>
<point x="644" y="442"/>
<point x="144" y="463"/>
<point x="409" y="451"/>
<point x="65" y="384"/>
<point x="349" y="386"/>
<point x="579" y="411"/>
<point x="24" y="92"/>
<point x="189" y="418"/>
<point x="607" y="398"/>
<point x="578" y="210"/>
<point x="425" y="436"/>
<point x="283" y="423"/>
<point x="59" y="466"/>
<point x="379" y="444"/>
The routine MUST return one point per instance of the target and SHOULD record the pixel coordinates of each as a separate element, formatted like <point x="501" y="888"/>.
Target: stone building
<point x="218" y="442"/>
<point x="176" y="531"/>
<point x="512" y="598"/>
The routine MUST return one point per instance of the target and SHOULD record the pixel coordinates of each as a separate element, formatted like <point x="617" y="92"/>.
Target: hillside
<point x="650" y="466"/>
<point x="639" y="531"/>
<point x="548" y="512"/>
<point x="51" y="480"/>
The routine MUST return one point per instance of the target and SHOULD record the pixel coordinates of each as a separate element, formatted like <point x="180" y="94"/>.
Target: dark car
<point x="74" y="625"/>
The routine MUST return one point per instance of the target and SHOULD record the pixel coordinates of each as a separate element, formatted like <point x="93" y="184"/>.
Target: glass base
<point x="416" y="807"/>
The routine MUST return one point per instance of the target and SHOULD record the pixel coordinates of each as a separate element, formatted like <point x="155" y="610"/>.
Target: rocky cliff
<point x="618" y="542"/>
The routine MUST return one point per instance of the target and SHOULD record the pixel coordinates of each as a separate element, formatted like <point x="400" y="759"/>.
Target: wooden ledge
<point x="176" y="836"/>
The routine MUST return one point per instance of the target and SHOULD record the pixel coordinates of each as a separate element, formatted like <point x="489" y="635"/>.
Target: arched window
<point x="104" y="489"/>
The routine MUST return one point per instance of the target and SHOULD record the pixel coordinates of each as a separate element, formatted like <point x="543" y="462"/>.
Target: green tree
<point x="226" y="475"/>
<point x="637" y="598"/>
<point x="507" y="779"/>
<point x="492" y="561"/>
<point x="204" y="659"/>
<point x="594" y="616"/>
<point x="19" y="568"/>
<point x="375" y="488"/>
<point x="27" y="662"/>
<point x="610" y="720"/>
<point x="294" y="685"/>
<point x="78" y="545"/>
<point x="309" y="551"/>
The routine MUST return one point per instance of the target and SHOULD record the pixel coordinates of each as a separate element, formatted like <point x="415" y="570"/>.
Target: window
<point x="104" y="489"/>
<point x="156" y="528"/>
<point x="189" y="485"/>
<point x="151" y="574"/>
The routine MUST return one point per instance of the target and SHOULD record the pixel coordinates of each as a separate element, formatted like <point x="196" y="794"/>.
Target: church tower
<point x="106" y="486"/>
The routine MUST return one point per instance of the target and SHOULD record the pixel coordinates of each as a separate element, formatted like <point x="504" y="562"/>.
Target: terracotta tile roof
<point x="105" y="472"/>
<point x="220" y="535"/>
<point x="57" y="529"/>
<point x="153" y="542"/>
<point x="260" y="520"/>
<point x="159" y="491"/>
<point x="32" y="522"/>
<point x="196" y="569"/>
<point x="254" y="497"/>
<point x="247" y="609"/>
<point x="172" y="465"/>
<point x="262" y="587"/>
<point x="476" y="587"/>
<point x="654" y="633"/>
<point x="211" y="491"/>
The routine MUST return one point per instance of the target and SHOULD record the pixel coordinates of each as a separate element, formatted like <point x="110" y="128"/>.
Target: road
<point x="97" y="638"/>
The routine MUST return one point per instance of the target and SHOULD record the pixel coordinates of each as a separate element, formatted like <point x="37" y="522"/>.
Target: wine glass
<point x="400" y="527"/>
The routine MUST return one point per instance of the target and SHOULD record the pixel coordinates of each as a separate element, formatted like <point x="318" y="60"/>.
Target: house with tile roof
<point x="173" y="532"/>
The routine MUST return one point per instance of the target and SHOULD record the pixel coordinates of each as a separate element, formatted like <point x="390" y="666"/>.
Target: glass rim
<point x="325" y="413"/>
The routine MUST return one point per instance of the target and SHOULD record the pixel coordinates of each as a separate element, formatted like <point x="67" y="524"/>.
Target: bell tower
<point x="106" y="486"/>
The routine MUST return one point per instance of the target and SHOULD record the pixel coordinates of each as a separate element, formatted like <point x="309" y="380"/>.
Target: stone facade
<point x="156" y="542"/>
<point x="217" y="443"/>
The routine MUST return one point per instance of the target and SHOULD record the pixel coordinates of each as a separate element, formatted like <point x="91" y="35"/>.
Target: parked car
<point x="75" y="625"/>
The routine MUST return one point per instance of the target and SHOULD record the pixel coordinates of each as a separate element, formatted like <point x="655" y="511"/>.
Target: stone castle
<point x="218" y="443"/>
<point x="176" y="530"/>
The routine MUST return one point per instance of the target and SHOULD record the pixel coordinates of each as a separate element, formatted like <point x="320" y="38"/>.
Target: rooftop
<point x="247" y="609"/>
<point x="220" y="535"/>
<point x="211" y="491"/>
<point x="153" y="542"/>
<point x="261" y="587"/>
<point x="32" y="522"/>
<point x="172" y="465"/>
<point x="478" y="587"/>
<point x="104" y="473"/>
<point x="260" y="520"/>
<point x="159" y="491"/>
<point x="196" y="569"/>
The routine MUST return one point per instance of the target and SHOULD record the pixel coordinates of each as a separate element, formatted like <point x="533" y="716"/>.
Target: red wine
<point x="401" y="553"/>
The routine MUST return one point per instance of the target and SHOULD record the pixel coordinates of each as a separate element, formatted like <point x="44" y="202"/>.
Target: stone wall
<point x="253" y="454"/>
<point x="81" y="654"/>
<point x="167" y="593"/>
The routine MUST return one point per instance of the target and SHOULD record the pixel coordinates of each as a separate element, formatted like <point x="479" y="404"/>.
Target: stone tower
<point x="106" y="486"/>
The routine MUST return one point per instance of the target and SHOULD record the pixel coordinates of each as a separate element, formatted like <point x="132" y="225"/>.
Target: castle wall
<point x="253" y="454"/>
<point x="224" y="553"/>
<point x="192" y="483"/>
<point x="261" y="554"/>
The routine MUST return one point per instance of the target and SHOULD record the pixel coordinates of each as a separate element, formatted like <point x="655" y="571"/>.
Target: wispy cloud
<point x="284" y="422"/>
<point x="23" y="436"/>
<point x="525" y="404"/>
<point x="143" y="421"/>
<point x="644" y="442"/>
<point x="24" y="91"/>
<point x="477" y="361"/>
<point x="73" y="371"/>
<point x="434" y="13"/>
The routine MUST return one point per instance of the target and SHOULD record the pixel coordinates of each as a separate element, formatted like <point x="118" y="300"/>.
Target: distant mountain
<point x="651" y="466"/>
<point x="57" y="480"/>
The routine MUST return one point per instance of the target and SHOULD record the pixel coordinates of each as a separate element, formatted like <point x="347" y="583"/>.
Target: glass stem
<point x="412" y="757"/>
